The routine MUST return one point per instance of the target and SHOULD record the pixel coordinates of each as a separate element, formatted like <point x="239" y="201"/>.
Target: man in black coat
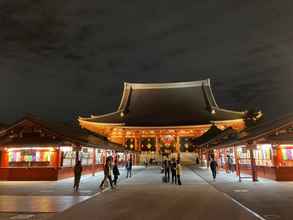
<point x="129" y="168"/>
<point x="213" y="166"/>
<point x="77" y="175"/>
<point x="173" y="171"/>
<point x="167" y="170"/>
<point x="116" y="172"/>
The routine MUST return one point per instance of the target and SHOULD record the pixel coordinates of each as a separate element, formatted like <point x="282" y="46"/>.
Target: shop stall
<point x="265" y="150"/>
<point x="32" y="149"/>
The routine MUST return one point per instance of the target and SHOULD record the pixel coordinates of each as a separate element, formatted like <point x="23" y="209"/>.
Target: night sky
<point x="62" y="59"/>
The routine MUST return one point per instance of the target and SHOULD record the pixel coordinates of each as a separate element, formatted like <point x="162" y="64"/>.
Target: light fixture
<point x="30" y="148"/>
<point x="286" y="145"/>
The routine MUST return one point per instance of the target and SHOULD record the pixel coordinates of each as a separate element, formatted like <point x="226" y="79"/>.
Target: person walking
<point x="213" y="166"/>
<point x="146" y="163"/>
<point x="173" y="171"/>
<point x="230" y="164"/>
<point x="197" y="161"/>
<point x="178" y="172"/>
<point x="116" y="172"/>
<point x="129" y="168"/>
<point x="167" y="170"/>
<point x="77" y="175"/>
<point x="107" y="173"/>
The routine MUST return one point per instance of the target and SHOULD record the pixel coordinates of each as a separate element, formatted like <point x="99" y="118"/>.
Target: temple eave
<point x="84" y="123"/>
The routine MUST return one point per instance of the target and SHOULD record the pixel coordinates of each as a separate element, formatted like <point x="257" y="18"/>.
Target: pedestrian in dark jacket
<point x="173" y="171"/>
<point x="107" y="174"/>
<point x="116" y="172"/>
<point x="167" y="170"/>
<point x="129" y="168"/>
<point x="77" y="175"/>
<point x="178" y="172"/>
<point x="213" y="166"/>
<point x="197" y="161"/>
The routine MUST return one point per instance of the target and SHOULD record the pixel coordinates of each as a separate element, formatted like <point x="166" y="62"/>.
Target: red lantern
<point x="167" y="140"/>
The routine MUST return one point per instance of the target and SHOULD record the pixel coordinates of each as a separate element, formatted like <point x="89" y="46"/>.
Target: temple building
<point x="158" y="119"/>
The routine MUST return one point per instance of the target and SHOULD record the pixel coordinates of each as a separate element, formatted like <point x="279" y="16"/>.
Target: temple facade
<point x="158" y="119"/>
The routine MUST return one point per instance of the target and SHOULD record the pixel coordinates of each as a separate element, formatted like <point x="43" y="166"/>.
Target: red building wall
<point x="29" y="174"/>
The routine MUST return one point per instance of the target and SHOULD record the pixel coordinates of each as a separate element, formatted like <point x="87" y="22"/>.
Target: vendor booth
<point x="33" y="149"/>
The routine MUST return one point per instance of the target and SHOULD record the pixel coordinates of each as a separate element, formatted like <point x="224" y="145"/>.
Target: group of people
<point x="172" y="166"/>
<point x="149" y="162"/>
<point x="214" y="165"/>
<point x="176" y="170"/>
<point x="110" y="170"/>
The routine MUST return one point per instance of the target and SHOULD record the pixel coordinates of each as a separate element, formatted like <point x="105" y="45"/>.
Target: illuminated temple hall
<point x="160" y="118"/>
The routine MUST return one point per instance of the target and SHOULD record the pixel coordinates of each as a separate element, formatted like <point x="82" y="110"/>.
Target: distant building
<point x="160" y="118"/>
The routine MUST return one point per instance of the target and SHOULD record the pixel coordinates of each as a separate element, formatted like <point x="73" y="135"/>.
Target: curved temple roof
<point x="166" y="104"/>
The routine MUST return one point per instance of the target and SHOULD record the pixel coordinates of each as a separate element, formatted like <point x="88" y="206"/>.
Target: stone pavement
<point x="33" y="204"/>
<point x="269" y="198"/>
<point x="145" y="197"/>
<point x="88" y="186"/>
<point x="25" y="216"/>
<point x="48" y="196"/>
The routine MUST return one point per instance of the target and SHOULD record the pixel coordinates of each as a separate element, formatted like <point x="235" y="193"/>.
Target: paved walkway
<point x="49" y="196"/>
<point x="271" y="199"/>
<point x="33" y="204"/>
<point x="145" y="197"/>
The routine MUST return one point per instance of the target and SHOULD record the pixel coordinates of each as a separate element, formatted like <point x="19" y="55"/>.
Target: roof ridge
<point x="228" y="110"/>
<point x="167" y="85"/>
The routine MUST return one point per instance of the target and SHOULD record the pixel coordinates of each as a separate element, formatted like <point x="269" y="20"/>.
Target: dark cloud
<point x="64" y="59"/>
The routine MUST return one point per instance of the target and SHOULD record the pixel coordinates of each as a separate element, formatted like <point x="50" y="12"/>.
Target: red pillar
<point x="178" y="146"/>
<point x="4" y="159"/>
<point x="57" y="158"/>
<point x="279" y="156"/>
<point x="157" y="144"/>
<point x="200" y="156"/>
<point x="208" y="157"/>
<point x="136" y="158"/>
<point x="253" y="165"/>
<point x="139" y="143"/>
<point x="94" y="162"/>
<point x="135" y="144"/>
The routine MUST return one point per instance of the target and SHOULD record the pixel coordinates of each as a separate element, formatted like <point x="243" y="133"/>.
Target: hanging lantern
<point x="167" y="140"/>
<point x="149" y="146"/>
